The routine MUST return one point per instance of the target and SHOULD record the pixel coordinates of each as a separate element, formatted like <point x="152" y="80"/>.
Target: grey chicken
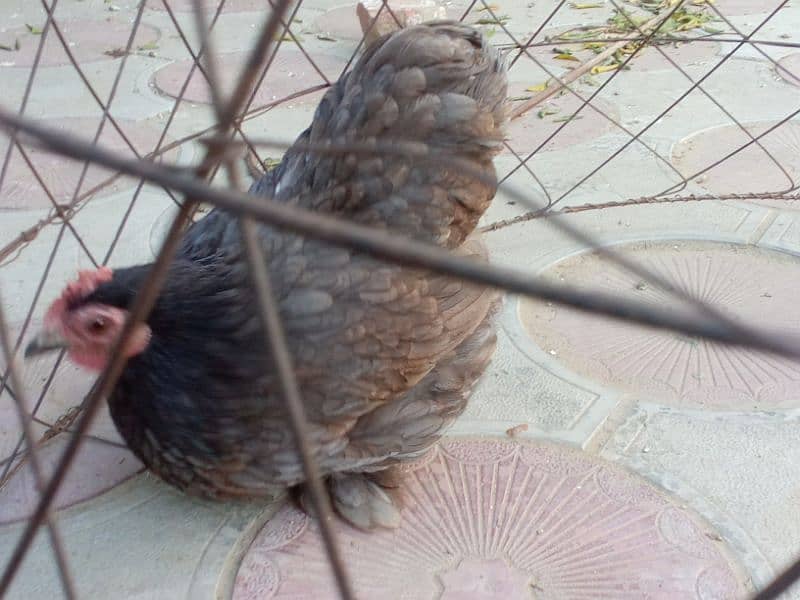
<point x="386" y="356"/>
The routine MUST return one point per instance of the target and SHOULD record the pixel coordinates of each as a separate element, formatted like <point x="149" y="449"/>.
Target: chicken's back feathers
<point x="439" y="85"/>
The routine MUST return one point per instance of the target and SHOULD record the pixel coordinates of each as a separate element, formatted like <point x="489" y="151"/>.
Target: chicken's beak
<point x="46" y="341"/>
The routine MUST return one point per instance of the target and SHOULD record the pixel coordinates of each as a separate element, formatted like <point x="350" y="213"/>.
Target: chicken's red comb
<point x="86" y="283"/>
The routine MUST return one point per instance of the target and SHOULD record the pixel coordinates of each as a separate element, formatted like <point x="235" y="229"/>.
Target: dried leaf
<point x="567" y="57"/>
<point x="519" y="98"/>
<point x="584" y="6"/>
<point x="538" y="88"/>
<point x="547" y="111"/>
<point x="326" y="38"/>
<point x="148" y="46"/>
<point x="492" y="7"/>
<point x="580" y="34"/>
<point x="501" y="20"/>
<point x="596" y="47"/>
<point x="516" y="430"/>
<point x="599" y="69"/>
<point x="270" y="163"/>
<point x="33" y="30"/>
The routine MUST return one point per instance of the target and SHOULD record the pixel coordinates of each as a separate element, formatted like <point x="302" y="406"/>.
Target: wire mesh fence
<point x="565" y="61"/>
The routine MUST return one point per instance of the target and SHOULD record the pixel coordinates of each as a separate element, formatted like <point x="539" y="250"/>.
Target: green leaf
<point x="33" y="30"/>
<point x="537" y="88"/>
<point x="600" y="69"/>
<point x="547" y="111"/>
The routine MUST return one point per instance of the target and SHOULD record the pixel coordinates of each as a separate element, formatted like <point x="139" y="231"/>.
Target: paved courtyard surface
<point x="597" y="460"/>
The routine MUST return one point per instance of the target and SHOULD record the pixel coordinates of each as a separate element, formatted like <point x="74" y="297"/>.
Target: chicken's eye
<point x="98" y="325"/>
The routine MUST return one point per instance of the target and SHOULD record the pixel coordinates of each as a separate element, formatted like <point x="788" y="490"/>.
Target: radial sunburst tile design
<point x="495" y="519"/>
<point x="751" y="285"/>
<point x="750" y="170"/>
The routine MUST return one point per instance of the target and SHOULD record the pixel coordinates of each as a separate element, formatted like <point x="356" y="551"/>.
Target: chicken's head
<point x="87" y="330"/>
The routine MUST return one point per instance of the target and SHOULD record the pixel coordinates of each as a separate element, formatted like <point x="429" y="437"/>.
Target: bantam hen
<point x="385" y="356"/>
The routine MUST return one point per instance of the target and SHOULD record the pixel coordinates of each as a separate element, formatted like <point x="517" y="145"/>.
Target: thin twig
<point x="539" y="214"/>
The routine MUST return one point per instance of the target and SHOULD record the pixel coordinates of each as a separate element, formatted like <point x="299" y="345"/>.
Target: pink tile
<point x="21" y="189"/>
<point x="750" y="170"/>
<point x="751" y="285"/>
<point x="290" y="73"/>
<point x="88" y="40"/>
<point x="98" y="467"/>
<point x="495" y="519"/>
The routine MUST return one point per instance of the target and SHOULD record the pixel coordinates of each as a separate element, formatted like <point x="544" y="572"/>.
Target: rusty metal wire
<point x="230" y="117"/>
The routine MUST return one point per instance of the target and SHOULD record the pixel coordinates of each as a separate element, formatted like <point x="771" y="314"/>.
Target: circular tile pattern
<point x="98" y="467"/>
<point x="496" y="519"/>
<point x="751" y="285"/>
<point x="88" y="40"/>
<point x="290" y="73"/>
<point x="750" y="170"/>
<point x="22" y="190"/>
<point x="532" y="129"/>
<point x="100" y="464"/>
<point x="791" y="69"/>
